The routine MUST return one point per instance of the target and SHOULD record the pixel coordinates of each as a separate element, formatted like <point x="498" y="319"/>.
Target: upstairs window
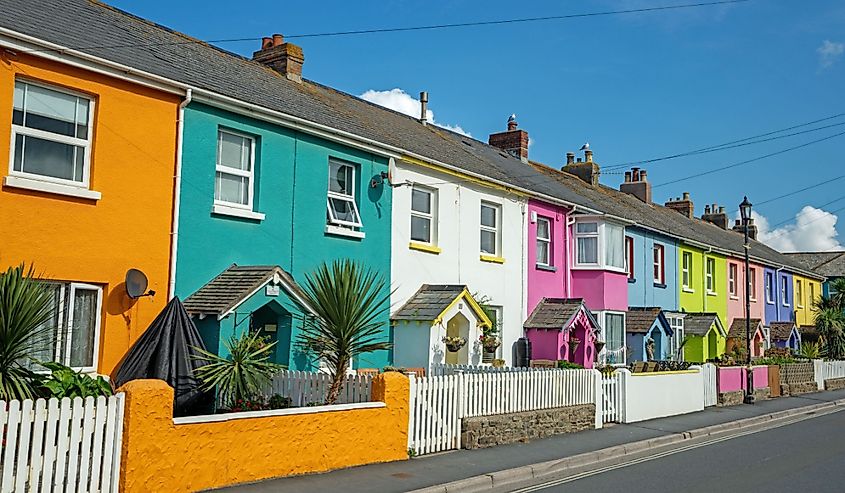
<point x="710" y="276"/>
<point x="812" y="292"/>
<point x="770" y="288"/>
<point x="752" y="283"/>
<point x="600" y="244"/>
<point x="491" y="225"/>
<point x="71" y="335"/>
<point x="629" y="256"/>
<point x="732" y="280"/>
<point x="342" y="209"/>
<point x="51" y="134"/>
<point x="614" y="253"/>
<point x="587" y="242"/>
<point x="686" y="270"/>
<point x="784" y="290"/>
<point x="799" y="293"/>
<point x="423" y="205"/>
<point x="544" y="241"/>
<point x="659" y="264"/>
<point x="235" y="174"/>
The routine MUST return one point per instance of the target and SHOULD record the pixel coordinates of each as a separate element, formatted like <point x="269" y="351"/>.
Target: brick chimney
<point x="587" y="170"/>
<point x="752" y="228"/>
<point x="716" y="215"/>
<point x="513" y="141"/>
<point x="636" y="183"/>
<point x="284" y="58"/>
<point x="683" y="205"/>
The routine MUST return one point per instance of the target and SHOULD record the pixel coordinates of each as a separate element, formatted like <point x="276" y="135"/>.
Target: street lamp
<point x="745" y="212"/>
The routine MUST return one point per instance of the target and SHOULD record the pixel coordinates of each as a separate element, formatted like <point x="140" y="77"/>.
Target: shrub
<point x="67" y="382"/>
<point x="566" y="365"/>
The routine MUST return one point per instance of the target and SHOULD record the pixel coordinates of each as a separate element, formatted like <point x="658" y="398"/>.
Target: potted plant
<point x="454" y="344"/>
<point x="490" y="342"/>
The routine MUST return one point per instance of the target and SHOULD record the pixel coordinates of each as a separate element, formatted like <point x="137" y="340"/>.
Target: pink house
<point x="563" y="329"/>
<point x="548" y="239"/>
<point x="736" y="290"/>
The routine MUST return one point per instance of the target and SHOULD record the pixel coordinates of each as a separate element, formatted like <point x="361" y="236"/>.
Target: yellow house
<point x="806" y="292"/>
<point x="87" y="193"/>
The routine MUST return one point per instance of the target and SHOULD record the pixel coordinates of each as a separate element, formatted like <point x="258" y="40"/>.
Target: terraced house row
<point x="226" y="179"/>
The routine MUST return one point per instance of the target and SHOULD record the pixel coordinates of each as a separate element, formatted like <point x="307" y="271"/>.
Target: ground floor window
<point x="495" y="315"/>
<point x="614" y="333"/>
<point x="71" y="334"/>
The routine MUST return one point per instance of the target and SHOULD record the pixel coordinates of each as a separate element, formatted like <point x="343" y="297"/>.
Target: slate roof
<point x="557" y="313"/>
<point x="780" y="331"/>
<point x="109" y="33"/>
<point x="828" y="264"/>
<point x="699" y="323"/>
<point x="738" y="327"/>
<point x="429" y="302"/>
<point x="234" y="285"/>
<point x="640" y="320"/>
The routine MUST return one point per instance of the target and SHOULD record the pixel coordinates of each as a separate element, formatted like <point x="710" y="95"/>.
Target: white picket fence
<point x="68" y="445"/>
<point x="824" y="370"/>
<point x="613" y="398"/>
<point x="304" y="387"/>
<point x="439" y="403"/>
<point x="439" y="369"/>
<point x="708" y="371"/>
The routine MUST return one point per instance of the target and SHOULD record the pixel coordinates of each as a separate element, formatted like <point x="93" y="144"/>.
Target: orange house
<point x="87" y="193"/>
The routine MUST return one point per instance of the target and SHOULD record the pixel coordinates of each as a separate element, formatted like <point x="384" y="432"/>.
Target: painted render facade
<point x="778" y="288"/>
<point x="547" y="277"/>
<point x="736" y="290"/>
<point x="643" y="289"/>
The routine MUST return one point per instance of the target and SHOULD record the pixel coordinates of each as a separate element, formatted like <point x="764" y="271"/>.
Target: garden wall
<point x="733" y="378"/>
<point x="665" y="393"/>
<point x="500" y="429"/>
<point x="161" y="453"/>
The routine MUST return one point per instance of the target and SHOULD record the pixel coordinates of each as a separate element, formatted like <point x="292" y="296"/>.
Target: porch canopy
<point x="736" y="336"/>
<point x="563" y="329"/>
<point x="434" y="312"/>
<point x="785" y="334"/>
<point x="705" y="334"/>
<point x="648" y="324"/>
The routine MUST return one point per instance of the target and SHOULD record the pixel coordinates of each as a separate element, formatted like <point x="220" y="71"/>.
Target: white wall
<point x="458" y="237"/>
<point x="659" y="394"/>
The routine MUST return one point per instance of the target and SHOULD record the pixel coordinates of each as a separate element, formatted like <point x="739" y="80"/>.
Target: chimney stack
<point x="512" y="141"/>
<point x="284" y="58"/>
<point x="752" y="228"/>
<point x="715" y="215"/>
<point x="424" y="107"/>
<point x="587" y="170"/>
<point x="636" y="183"/>
<point x="682" y="205"/>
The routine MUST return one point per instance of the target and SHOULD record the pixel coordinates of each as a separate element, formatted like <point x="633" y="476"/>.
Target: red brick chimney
<point x="513" y="141"/>
<point x="682" y="205"/>
<point x="637" y="184"/>
<point x="752" y="228"/>
<point x="285" y="58"/>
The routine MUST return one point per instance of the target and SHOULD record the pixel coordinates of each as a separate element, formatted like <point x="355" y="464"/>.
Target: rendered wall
<point x="545" y="282"/>
<point x="779" y="310"/>
<point x="658" y="394"/>
<point x="733" y="378"/>
<point x="159" y="455"/>
<point x="291" y="184"/>
<point x="97" y="241"/>
<point x="601" y="290"/>
<point x="643" y="291"/>
<point x="458" y="259"/>
<point x="696" y="298"/>
<point x="804" y="313"/>
<point x="736" y="304"/>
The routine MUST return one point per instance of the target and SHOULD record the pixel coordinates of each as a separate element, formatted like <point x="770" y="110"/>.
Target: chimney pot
<point x="570" y="157"/>
<point x="707" y="209"/>
<point x="278" y="40"/>
<point x="643" y="175"/>
<point x="636" y="185"/>
<point x="266" y="42"/>
<point x="627" y="177"/>
<point x="588" y="155"/>
<point x="578" y="160"/>
<point x="686" y="195"/>
<point x="424" y="107"/>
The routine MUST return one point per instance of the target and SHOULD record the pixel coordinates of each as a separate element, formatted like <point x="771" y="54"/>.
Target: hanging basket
<point x="454" y="344"/>
<point x="492" y="347"/>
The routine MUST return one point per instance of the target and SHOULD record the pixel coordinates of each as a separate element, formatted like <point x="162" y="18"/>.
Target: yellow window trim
<point x="424" y="248"/>
<point x="491" y="258"/>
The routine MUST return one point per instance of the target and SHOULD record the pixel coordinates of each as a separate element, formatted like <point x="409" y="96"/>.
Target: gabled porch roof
<point x="641" y="320"/>
<point x="738" y="327"/>
<point x="235" y="285"/>
<point x="431" y="301"/>
<point x="558" y="313"/>
<point x="782" y="331"/>
<point x="699" y="324"/>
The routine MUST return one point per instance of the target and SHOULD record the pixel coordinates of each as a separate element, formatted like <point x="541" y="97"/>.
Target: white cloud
<point x="398" y="100"/>
<point x="830" y="52"/>
<point x="814" y="230"/>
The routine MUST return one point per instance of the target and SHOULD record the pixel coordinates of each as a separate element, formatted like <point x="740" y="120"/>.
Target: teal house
<point x="263" y="202"/>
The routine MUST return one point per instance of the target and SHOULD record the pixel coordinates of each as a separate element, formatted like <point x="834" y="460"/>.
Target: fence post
<point x="598" y="397"/>
<point x="412" y="406"/>
<point x="818" y="373"/>
<point x="622" y="388"/>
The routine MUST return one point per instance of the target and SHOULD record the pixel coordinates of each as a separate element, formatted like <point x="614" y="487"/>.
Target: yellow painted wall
<point x="159" y="455"/>
<point x="804" y="313"/>
<point x="132" y="165"/>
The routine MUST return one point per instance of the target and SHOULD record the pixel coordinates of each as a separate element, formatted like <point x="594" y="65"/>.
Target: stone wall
<point x="799" y="388"/>
<point x="489" y="431"/>
<point x="736" y="398"/>
<point x="797" y="373"/>
<point x="834" y="384"/>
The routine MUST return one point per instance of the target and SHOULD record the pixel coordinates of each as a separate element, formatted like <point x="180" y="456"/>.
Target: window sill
<point x="753" y="300"/>
<point x="49" y="187"/>
<point x="687" y="290"/>
<point x="734" y="297"/>
<point x="547" y="268"/>
<point x="223" y="210"/>
<point x="422" y="247"/>
<point x="339" y="231"/>
<point x="632" y="280"/>
<point x="492" y="259"/>
<point x="660" y="285"/>
<point x="770" y="302"/>
<point x="712" y="293"/>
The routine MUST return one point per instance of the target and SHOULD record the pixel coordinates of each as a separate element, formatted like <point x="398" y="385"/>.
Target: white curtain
<point x="615" y="246"/>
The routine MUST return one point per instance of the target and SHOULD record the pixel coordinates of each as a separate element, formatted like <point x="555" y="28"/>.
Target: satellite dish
<point x="136" y="284"/>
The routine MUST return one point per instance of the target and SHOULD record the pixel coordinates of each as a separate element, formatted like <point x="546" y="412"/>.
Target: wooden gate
<point x="774" y="380"/>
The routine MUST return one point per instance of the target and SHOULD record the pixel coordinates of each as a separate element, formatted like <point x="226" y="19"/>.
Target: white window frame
<point x="752" y="283"/>
<point x="732" y="275"/>
<point x="710" y="275"/>
<point x="677" y="324"/>
<point x="344" y="197"/>
<point x="67" y="290"/>
<point x="431" y="217"/>
<point x="497" y="230"/>
<point x="605" y="333"/>
<point x="799" y="293"/>
<point x="596" y="235"/>
<point x="769" y="287"/>
<point x="53" y="137"/>
<point x="250" y="175"/>
<point x="658" y="254"/>
<point x="500" y="312"/>
<point x="629" y="257"/>
<point x="686" y="271"/>
<point x="784" y="290"/>
<point x="601" y="236"/>
<point x="547" y="240"/>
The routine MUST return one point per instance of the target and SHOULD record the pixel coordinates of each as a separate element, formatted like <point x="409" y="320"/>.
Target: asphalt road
<point x="807" y="457"/>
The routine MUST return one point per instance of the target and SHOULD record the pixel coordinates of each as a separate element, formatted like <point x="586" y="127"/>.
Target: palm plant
<point x="837" y="287"/>
<point x="810" y="350"/>
<point x="830" y="324"/>
<point x="348" y="302"/>
<point x="242" y="374"/>
<point x="25" y="310"/>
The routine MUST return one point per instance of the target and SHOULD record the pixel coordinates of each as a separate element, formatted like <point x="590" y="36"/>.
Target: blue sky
<point x="635" y="86"/>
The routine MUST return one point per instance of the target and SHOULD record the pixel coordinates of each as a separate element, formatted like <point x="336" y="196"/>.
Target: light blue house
<point x="648" y="335"/>
<point x="653" y="280"/>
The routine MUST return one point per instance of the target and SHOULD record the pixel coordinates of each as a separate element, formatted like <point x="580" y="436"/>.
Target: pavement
<point x="455" y="466"/>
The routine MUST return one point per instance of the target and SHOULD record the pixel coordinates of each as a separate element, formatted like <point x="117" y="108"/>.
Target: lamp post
<point x="745" y="212"/>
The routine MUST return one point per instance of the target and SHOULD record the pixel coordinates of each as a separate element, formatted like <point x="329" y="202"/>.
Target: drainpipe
<point x="177" y="188"/>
